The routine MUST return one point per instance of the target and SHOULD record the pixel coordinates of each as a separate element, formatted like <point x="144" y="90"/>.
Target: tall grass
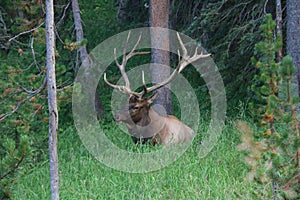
<point x="220" y="175"/>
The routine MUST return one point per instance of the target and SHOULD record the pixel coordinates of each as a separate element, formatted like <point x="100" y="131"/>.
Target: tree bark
<point x="293" y="47"/>
<point x="159" y="17"/>
<point x="84" y="57"/>
<point x="293" y="39"/>
<point x="279" y="27"/>
<point x="52" y="103"/>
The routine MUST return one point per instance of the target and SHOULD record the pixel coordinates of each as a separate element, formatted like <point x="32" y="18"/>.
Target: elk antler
<point x="125" y="89"/>
<point x="182" y="63"/>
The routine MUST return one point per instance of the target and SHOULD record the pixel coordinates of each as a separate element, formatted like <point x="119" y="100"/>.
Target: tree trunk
<point x="279" y="27"/>
<point x="293" y="46"/>
<point x="84" y="57"/>
<point x="51" y="86"/>
<point x="293" y="39"/>
<point x="159" y="17"/>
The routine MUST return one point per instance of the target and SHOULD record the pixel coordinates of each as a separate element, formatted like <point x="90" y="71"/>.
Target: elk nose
<point x="117" y="118"/>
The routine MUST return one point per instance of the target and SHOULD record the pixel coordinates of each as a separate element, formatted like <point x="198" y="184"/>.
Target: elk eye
<point x="135" y="107"/>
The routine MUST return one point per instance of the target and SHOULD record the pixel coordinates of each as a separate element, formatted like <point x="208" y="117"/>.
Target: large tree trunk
<point x="51" y="85"/>
<point x="159" y="17"/>
<point x="84" y="57"/>
<point x="293" y="39"/>
<point x="293" y="45"/>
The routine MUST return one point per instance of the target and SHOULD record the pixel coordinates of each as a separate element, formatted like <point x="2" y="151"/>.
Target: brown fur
<point x="143" y="122"/>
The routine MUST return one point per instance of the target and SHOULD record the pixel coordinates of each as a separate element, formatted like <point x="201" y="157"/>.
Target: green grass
<point x="220" y="175"/>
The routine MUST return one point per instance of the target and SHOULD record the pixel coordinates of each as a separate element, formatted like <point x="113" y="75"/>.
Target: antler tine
<point x="125" y="89"/>
<point x="144" y="92"/>
<point x="159" y="85"/>
<point x="134" y="47"/>
<point x="124" y="59"/>
<point x="122" y="68"/>
<point x="116" y="59"/>
<point x="185" y="54"/>
<point x="121" y="88"/>
<point x="128" y="56"/>
<point x="108" y="83"/>
<point x="182" y="63"/>
<point x="196" y="52"/>
<point x="143" y="78"/>
<point x="186" y="59"/>
<point x="133" y="53"/>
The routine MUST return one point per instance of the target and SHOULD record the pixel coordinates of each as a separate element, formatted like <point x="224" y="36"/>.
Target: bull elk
<point x="142" y="121"/>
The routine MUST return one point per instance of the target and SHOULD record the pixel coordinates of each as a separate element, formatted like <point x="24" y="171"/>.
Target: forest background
<point x="256" y="48"/>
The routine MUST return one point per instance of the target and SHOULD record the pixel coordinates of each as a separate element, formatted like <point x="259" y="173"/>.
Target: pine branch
<point x="12" y="170"/>
<point x="19" y="104"/>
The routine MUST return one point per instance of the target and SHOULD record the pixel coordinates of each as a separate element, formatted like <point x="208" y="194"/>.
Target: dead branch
<point x="60" y="21"/>
<point x="20" y="103"/>
<point x="25" y="32"/>
<point x="63" y="15"/>
<point x="33" y="53"/>
<point x="3" y="23"/>
<point x="265" y="6"/>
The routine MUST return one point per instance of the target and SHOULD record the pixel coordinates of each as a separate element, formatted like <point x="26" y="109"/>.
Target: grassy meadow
<point x="220" y="175"/>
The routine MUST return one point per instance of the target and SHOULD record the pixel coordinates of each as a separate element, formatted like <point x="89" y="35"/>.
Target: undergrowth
<point x="220" y="175"/>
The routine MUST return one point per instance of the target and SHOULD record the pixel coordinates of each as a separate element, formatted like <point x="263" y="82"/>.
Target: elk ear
<point x="151" y="98"/>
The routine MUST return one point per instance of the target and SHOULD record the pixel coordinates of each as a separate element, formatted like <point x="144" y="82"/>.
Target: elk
<point x="142" y="122"/>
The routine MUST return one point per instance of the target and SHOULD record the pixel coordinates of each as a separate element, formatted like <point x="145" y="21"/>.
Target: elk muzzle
<point x="123" y="116"/>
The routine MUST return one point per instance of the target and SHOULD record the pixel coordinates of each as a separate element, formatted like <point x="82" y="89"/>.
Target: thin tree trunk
<point x="52" y="104"/>
<point x="84" y="57"/>
<point x="279" y="55"/>
<point x="159" y="17"/>
<point x="279" y="27"/>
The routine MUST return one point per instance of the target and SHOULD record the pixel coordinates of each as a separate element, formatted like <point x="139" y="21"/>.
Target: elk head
<point x="137" y="113"/>
<point x="136" y="110"/>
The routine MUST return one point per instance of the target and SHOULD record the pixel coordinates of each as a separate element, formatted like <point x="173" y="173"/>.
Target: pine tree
<point x="275" y="114"/>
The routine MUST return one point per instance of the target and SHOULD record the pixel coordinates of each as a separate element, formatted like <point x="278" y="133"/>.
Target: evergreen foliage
<point x="12" y="155"/>
<point x="274" y="147"/>
<point x="23" y="113"/>
<point x="227" y="29"/>
<point x="23" y="97"/>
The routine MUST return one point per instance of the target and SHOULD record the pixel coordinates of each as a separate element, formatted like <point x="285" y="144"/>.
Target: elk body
<point x="142" y="121"/>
